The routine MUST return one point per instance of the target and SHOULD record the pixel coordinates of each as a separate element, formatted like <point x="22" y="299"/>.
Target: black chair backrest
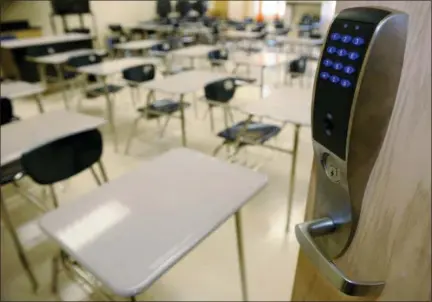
<point x="240" y="27"/>
<point x="83" y="60"/>
<point x="220" y="91"/>
<point x="6" y="111"/>
<point x="218" y="54"/>
<point x="63" y="158"/>
<point x="140" y="74"/>
<point x="165" y="46"/>
<point x="298" y="65"/>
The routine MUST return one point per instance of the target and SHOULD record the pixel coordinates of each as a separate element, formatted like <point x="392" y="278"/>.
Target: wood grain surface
<point x="393" y="240"/>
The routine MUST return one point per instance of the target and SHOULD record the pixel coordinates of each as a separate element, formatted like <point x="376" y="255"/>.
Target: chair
<point x="218" y="58"/>
<point x="76" y="62"/>
<point x="220" y="93"/>
<point x="60" y="160"/>
<point x="11" y="174"/>
<point x="154" y="109"/>
<point x="297" y="69"/>
<point x="137" y="75"/>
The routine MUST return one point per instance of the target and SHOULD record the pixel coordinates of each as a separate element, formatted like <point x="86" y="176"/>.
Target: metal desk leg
<point x="62" y="82"/>
<point x="241" y="255"/>
<point x="292" y="175"/>
<point x="183" y="121"/>
<point x="21" y="254"/>
<point x="262" y="81"/>
<point x="110" y="113"/>
<point x="39" y="103"/>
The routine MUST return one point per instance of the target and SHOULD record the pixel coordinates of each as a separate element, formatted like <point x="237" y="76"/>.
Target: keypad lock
<point x="354" y="93"/>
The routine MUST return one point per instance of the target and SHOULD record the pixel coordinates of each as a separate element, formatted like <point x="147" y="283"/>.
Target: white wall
<point x="236" y="10"/>
<point x="106" y="12"/>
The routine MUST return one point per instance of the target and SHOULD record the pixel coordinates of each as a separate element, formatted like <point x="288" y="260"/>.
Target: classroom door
<point x="393" y="239"/>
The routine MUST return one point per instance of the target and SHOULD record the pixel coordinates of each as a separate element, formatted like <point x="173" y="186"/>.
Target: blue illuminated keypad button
<point x="327" y="63"/>
<point x="345" y="83"/>
<point x="335" y="36"/>
<point x="331" y="49"/>
<point x="342" y="52"/>
<point x="324" y="75"/>
<point x="334" y="79"/>
<point x="349" y="69"/>
<point x="338" y="66"/>
<point x="358" y="41"/>
<point x="353" y="55"/>
<point x="346" y="38"/>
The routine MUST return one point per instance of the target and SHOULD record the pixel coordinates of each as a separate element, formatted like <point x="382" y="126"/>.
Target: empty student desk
<point x="241" y="35"/>
<point x="140" y="45"/>
<point x="130" y="231"/>
<point x="15" y="53"/>
<point x="19" y="89"/>
<point x="184" y="83"/>
<point x="194" y="52"/>
<point x="57" y="60"/>
<point x="25" y="135"/>
<point x="262" y="60"/>
<point x="286" y="105"/>
<point x="107" y="68"/>
<point x="309" y="44"/>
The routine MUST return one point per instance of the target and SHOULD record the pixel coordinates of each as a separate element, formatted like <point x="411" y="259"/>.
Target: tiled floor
<point x="210" y="272"/>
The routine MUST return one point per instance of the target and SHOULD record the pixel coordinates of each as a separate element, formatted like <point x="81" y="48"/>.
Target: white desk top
<point x="130" y="231"/>
<point x="62" y="57"/>
<point x="138" y="45"/>
<point x="287" y="104"/>
<point x="114" y="66"/>
<point x="195" y="50"/>
<point x="185" y="82"/>
<point x="263" y="59"/>
<point x="19" y="43"/>
<point x="237" y="34"/>
<point x="19" y="89"/>
<point x="25" y="135"/>
<point x="299" y="41"/>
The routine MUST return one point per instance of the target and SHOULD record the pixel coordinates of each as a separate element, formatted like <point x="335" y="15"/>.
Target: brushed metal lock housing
<point x="355" y="89"/>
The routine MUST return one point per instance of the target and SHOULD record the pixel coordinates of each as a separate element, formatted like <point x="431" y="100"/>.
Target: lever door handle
<point x="305" y="233"/>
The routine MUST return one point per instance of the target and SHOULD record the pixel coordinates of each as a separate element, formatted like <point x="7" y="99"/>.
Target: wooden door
<point x="393" y="240"/>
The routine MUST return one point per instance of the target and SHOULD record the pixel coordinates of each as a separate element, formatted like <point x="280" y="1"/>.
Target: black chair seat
<point x="93" y="93"/>
<point x="257" y="133"/>
<point x="163" y="107"/>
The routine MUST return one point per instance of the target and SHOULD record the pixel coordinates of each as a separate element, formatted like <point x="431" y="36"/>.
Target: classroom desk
<point x="25" y="135"/>
<point x="130" y="231"/>
<point x="15" y="53"/>
<point x="137" y="45"/>
<point x="241" y="35"/>
<point x="194" y="52"/>
<point x="262" y="60"/>
<point x="309" y="44"/>
<point x="103" y="70"/>
<point x="287" y="105"/>
<point x="58" y="60"/>
<point x="184" y="83"/>
<point x="19" y="89"/>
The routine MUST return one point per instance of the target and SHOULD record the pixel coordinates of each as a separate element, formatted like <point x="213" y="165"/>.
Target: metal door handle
<point x="305" y="233"/>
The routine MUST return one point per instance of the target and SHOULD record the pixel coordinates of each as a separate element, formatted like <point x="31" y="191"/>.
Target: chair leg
<point x="132" y="134"/>
<point x="165" y="126"/>
<point x="54" y="196"/>
<point x="21" y="254"/>
<point x="211" y="118"/>
<point x="95" y="176"/>
<point x="103" y="171"/>
<point x="55" y="274"/>
<point x="133" y="95"/>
